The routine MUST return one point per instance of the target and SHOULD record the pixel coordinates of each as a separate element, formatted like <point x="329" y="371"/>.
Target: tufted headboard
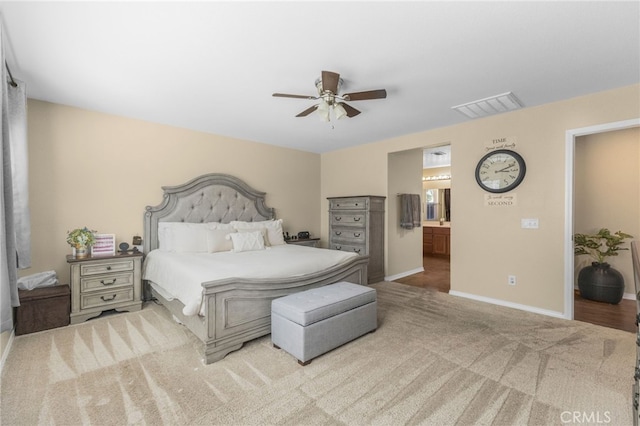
<point x="213" y="197"/>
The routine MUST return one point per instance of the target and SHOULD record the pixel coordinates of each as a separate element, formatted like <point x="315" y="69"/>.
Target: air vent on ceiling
<point x="489" y="106"/>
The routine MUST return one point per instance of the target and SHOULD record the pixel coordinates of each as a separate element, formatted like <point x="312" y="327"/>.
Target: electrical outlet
<point x="511" y="280"/>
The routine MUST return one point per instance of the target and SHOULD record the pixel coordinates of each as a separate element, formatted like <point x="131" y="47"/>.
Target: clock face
<point x="500" y="171"/>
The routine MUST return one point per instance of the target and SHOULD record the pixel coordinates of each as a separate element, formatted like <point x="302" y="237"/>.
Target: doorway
<point x="436" y="220"/>
<point x="571" y="302"/>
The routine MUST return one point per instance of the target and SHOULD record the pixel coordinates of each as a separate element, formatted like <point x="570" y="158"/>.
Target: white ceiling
<point x="212" y="66"/>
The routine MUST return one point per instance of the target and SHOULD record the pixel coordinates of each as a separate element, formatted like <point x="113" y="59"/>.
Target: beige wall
<point x="100" y="171"/>
<point x="607" y="184"/>
<point x="487" y="243"/>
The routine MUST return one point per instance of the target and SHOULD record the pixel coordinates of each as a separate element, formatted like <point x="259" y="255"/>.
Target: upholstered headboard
<point x="213" y="197"/>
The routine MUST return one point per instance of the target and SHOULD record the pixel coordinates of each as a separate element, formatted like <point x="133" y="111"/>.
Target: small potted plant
<point x="600" y="281"/>
<point x="81" y="239"/>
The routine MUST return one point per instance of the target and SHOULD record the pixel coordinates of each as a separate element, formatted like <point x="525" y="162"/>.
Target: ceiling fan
<point x="328" y="86"/>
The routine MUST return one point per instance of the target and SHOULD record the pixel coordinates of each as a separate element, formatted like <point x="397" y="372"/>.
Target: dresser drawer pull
<point x="108" y="299"/>
<point x="356" y="234"/>
<point x="340" y="248"/>
<point x="108" y="268"/>
<point x="340" y="233"/>
<point x="338" y="218"/>
<point x="111" y="283"/>
<point x="637" y="374"/>
<point x="357" y="250"/>
<point x="357" y="219"/>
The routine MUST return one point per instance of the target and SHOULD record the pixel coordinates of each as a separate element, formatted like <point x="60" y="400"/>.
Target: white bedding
<point x="180" y="275"/>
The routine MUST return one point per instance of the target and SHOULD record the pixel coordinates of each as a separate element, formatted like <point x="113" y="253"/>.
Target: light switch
<point x="529" y="223"/>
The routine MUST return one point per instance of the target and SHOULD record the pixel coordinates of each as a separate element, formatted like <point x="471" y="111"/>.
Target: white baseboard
<point x="403" y="274"/>
<point x="499" y="302"/>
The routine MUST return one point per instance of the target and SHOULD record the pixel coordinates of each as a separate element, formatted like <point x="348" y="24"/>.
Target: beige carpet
<point x="435" y="359"/>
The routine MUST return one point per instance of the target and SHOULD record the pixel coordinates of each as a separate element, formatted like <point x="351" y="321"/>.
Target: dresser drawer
<point x="348" y="235"/>
<point x="354" y="203"/>
<point x="104" y="299"/>
<point x="359" y="249"/>
<point x="349" y="219"/>
<point x="104" y="282"/>
<point x="106" y="267"/>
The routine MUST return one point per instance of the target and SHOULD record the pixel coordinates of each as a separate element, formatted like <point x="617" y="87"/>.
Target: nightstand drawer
<point x="348" y="204"/>
<point x="104" y="299"/>
<point x="359" y="220"/>
<point x="98" y="282"/>
<point x="94" y="268"/>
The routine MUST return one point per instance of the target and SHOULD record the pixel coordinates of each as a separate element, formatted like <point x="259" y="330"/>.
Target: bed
<point x="234" y="309"/>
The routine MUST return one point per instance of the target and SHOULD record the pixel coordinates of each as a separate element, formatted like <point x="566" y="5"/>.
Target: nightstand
<point x="311" y="242"/>
<point x="103" y="283"/>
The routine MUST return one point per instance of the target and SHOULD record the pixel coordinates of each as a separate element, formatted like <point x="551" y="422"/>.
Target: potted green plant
<point x="600" y="281"/>
<point x="81" y="239"/>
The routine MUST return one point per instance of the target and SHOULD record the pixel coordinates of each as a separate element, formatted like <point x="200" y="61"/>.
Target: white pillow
<point x="217" y="240"/>
<point x="247" y="241"/>
<point x="183" y="237"/>
<point x="274" y="230"/>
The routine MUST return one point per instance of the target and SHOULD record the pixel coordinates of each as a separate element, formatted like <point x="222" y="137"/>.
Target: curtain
<point x="15" y="228"/>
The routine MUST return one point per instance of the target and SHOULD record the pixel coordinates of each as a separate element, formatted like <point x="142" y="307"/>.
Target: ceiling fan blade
<point x="330" y="81"/>
<point x="285" y="95"/>
<point x="363" y="96"/>
<point x="351" y="111"/>
<point x="307" y="111"/>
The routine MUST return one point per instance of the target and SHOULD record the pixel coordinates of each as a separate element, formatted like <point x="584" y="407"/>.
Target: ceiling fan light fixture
<point x="323" y="111"/>
<point x="339" y="111"/>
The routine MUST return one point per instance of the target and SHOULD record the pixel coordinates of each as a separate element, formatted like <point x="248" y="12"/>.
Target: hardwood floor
<point x="621" y="316"/>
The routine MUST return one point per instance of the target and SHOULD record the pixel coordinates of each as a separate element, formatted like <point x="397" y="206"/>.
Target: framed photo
<point x="105" y="245"/>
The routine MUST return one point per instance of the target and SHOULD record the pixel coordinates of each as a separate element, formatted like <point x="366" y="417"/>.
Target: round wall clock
<point x="500" y="171"/>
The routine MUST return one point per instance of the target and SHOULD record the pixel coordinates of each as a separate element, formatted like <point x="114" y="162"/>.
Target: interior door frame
<point x="570" y="144"/>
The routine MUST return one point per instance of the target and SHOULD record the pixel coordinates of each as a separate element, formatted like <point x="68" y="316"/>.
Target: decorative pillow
<point x="183" y="237"/>
<point x="217" y="240"/>
<point x="274" y="230"/>
<point x="247" y="241"/>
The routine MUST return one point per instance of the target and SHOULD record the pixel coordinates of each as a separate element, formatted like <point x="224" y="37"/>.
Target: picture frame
<point x="105" y="245"/>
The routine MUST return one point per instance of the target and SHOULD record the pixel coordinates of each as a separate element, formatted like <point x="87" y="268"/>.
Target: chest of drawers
<point x="104" y="283"/>
<point x="356" y="224"/>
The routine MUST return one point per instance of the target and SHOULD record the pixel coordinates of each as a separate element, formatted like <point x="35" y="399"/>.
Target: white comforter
<point x="180" y="275"/>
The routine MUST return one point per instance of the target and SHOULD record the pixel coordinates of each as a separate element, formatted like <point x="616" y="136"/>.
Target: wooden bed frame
<point x="236" y="310"/>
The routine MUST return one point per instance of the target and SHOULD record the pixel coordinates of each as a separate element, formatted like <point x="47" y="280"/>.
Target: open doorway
<point x="437" y="218"/>
<point x="594" y="156"/>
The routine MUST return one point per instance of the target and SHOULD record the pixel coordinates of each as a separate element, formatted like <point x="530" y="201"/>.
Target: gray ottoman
<point x="313" y="322"/>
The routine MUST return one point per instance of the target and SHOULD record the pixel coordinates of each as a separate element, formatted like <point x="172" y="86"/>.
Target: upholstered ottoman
<point x="313" y="322"/>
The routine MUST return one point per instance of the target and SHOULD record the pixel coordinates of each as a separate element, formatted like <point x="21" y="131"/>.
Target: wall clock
<point x="500" y="171"/>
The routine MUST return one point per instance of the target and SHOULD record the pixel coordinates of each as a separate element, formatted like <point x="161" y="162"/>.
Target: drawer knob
<point x="111" y="283"/>
<point x="338" y="232"/>
<point x="356" y="219"/>
<point x="637" y="374"/>
<point x="356" y="234"/>
<point x="108" y="268"/>
<point x="357" y="250"/>
<point x="338" y="247"/>
<point x="107" y="299"/>
<point x="338" y="218"/>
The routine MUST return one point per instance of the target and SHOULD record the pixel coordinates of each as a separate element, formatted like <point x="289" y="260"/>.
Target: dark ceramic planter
<point x="602" y="283"/>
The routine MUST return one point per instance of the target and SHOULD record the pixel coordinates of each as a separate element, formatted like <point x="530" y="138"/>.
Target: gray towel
<point x="410" y="211"/>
